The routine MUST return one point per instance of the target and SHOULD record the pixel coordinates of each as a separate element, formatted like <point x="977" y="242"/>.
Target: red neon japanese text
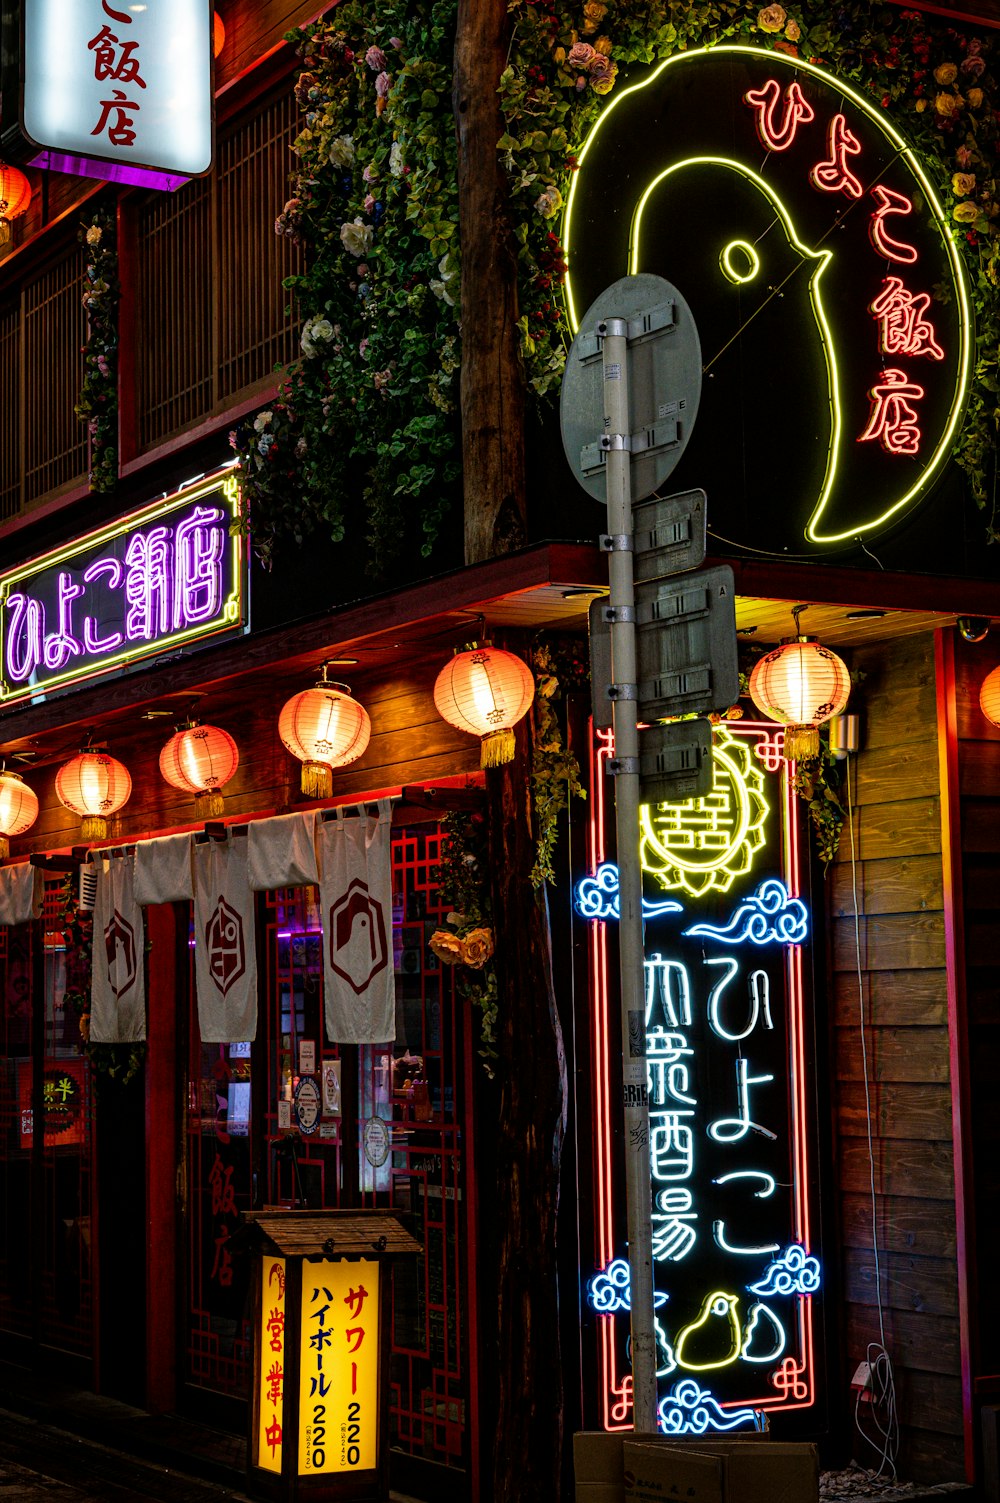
<point x="894" y="420"/>
<point x="834" y="175"/>
<point x="778" y="137"/>
<point x="903" y="327"/>
<point x="890" y="203"/>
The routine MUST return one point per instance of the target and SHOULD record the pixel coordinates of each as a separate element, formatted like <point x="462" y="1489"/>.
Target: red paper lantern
<point x="95" y="786"/>
<point x="800" y="684"/>
<point x="15" y="196"/>
<point x="18" y="809"/>
<point x="325" y="728"/>
<point x="218" y="34"/>
<point x="201" y="759"/>
<point x="989" y="697"/>
<point x="486" y="691"/>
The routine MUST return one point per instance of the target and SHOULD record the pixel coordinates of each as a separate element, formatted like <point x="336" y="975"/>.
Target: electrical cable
<point x="881" y="1382"/>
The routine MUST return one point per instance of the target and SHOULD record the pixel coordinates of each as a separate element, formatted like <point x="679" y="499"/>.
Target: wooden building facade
<point x="904" y="1012"/>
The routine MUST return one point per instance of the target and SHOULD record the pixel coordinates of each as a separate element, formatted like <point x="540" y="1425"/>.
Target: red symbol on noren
<point x="226" y="948"/>
<point x="358" y="949"/>
<point x="120" y="948"/>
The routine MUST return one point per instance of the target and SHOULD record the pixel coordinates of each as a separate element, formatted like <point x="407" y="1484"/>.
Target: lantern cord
<point x="878" y="1400"/>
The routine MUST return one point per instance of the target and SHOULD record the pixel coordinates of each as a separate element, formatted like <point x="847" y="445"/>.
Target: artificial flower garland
<point x="372" y="403"/>
<point x="97" y="405"/>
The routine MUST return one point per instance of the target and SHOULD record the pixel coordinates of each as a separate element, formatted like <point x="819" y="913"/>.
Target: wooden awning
<point x="332" y="1234"/>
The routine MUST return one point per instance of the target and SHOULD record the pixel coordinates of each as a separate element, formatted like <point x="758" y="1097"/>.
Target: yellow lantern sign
<point x="338" y="1367"/>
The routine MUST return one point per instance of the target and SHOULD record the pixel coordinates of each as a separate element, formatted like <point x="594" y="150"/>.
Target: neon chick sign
<point x="807" y="239"/>
<point x="155" y="580"/>
<point x="736" y="1266"/>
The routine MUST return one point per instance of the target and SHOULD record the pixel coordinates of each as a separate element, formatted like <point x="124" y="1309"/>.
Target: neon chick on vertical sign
<point x="129" y="84"/>
<point x="735" y="1266"/>
<point x="159" y="578"/>
<point x="808" y="241"/>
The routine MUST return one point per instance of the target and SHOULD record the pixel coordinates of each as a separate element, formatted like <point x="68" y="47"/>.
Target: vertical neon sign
<point x="735" y="1269"/>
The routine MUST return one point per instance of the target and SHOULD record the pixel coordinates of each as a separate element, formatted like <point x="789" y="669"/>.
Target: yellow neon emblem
<point x="704" y="844"/>
<point x="715" y="1335"/>
<point x="815" y="530"/>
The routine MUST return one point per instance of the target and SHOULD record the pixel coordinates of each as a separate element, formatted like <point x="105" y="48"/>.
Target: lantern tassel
<point x="4" y="848"/>
<point x="498" y="748"/>
<point x="317" y="780"/>
<point x="214" y="804"/>
<point x="94" y="827"/>
<point x="801" y="743"/>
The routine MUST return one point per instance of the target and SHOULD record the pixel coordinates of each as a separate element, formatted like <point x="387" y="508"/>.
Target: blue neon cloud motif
<point x="769" y="916"/>
<point x="611" y="1291"/>
<point x="794" y="1272"/>
<point x="597" y="896"/>
<point x="689" y="1409"/>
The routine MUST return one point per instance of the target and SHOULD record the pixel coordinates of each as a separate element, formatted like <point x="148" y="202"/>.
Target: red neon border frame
<point x="616" y="1396"/>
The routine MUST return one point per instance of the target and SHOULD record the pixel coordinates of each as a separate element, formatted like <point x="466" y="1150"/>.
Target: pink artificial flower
<point x="382" y="85"/>
<point x="375" y="58"/>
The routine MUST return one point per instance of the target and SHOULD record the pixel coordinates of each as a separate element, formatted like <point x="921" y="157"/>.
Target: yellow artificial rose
<point x="477" y="947"/>
<point x="559" y="55"/>
<point x="975" y="98"/>
<point x="446" y="946"/>
<point x="946" y="104"/>
<point x="603" y="45"/>
<point x="604" y="83"/>
<point x="593" y="14"/>
<point x="771" y="18"/>
<point x="962" y="183"/>
<point x="793" y="31"/>
<point x="945" y="73"/>
<point x="920" y="106"/>
<point x="965" y="213"/>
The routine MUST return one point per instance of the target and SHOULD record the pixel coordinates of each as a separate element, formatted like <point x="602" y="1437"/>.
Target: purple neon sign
<point x="161" y="578"/>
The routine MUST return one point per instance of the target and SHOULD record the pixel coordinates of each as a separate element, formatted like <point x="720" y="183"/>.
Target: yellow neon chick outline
<point x="726" y="262"/>
<point x="739" y="778"/>
<point x="778" y="60"/>
<point x="822" y="259"/>
<point x="717" y="1303"/>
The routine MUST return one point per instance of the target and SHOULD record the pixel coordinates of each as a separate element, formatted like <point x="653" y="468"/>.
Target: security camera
<point x="973" y="628"/>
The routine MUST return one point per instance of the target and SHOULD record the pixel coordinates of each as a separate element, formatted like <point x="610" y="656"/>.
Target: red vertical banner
<point x="271" y="1394"/>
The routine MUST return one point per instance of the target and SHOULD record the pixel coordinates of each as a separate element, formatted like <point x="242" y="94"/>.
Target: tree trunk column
<point x="492" y="386"/>
<point x="532" y="1067"/>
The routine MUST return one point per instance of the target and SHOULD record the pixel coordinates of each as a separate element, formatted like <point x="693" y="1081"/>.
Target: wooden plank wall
<point x="979" y="823"/>
<point x="898" y="843"/>
<point x="410" y="743"/>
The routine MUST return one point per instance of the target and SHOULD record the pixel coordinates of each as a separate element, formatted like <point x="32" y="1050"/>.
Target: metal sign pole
<point x="614" y="334"/>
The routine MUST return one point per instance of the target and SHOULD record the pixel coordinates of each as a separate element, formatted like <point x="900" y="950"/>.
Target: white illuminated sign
<point x="129" y="84"/>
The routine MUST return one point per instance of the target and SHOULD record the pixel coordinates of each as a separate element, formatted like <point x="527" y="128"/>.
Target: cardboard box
<point x="598" y="1466"/>
<point x="710" y="1471"/>
<point x="598" y="1458"/>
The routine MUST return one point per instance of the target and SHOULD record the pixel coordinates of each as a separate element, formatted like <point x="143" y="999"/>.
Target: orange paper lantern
<point x="15" y="196"/>
<point x="18" y="809"/>
<point x="200" y="759"/>
<point x="486" y="691"/>
<point x="218" y="34"/>
<point x="325" y="728"/>
<point x="95" y="786"/>
<point x="989" y="697"/>
<point x="800" y="684"/>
